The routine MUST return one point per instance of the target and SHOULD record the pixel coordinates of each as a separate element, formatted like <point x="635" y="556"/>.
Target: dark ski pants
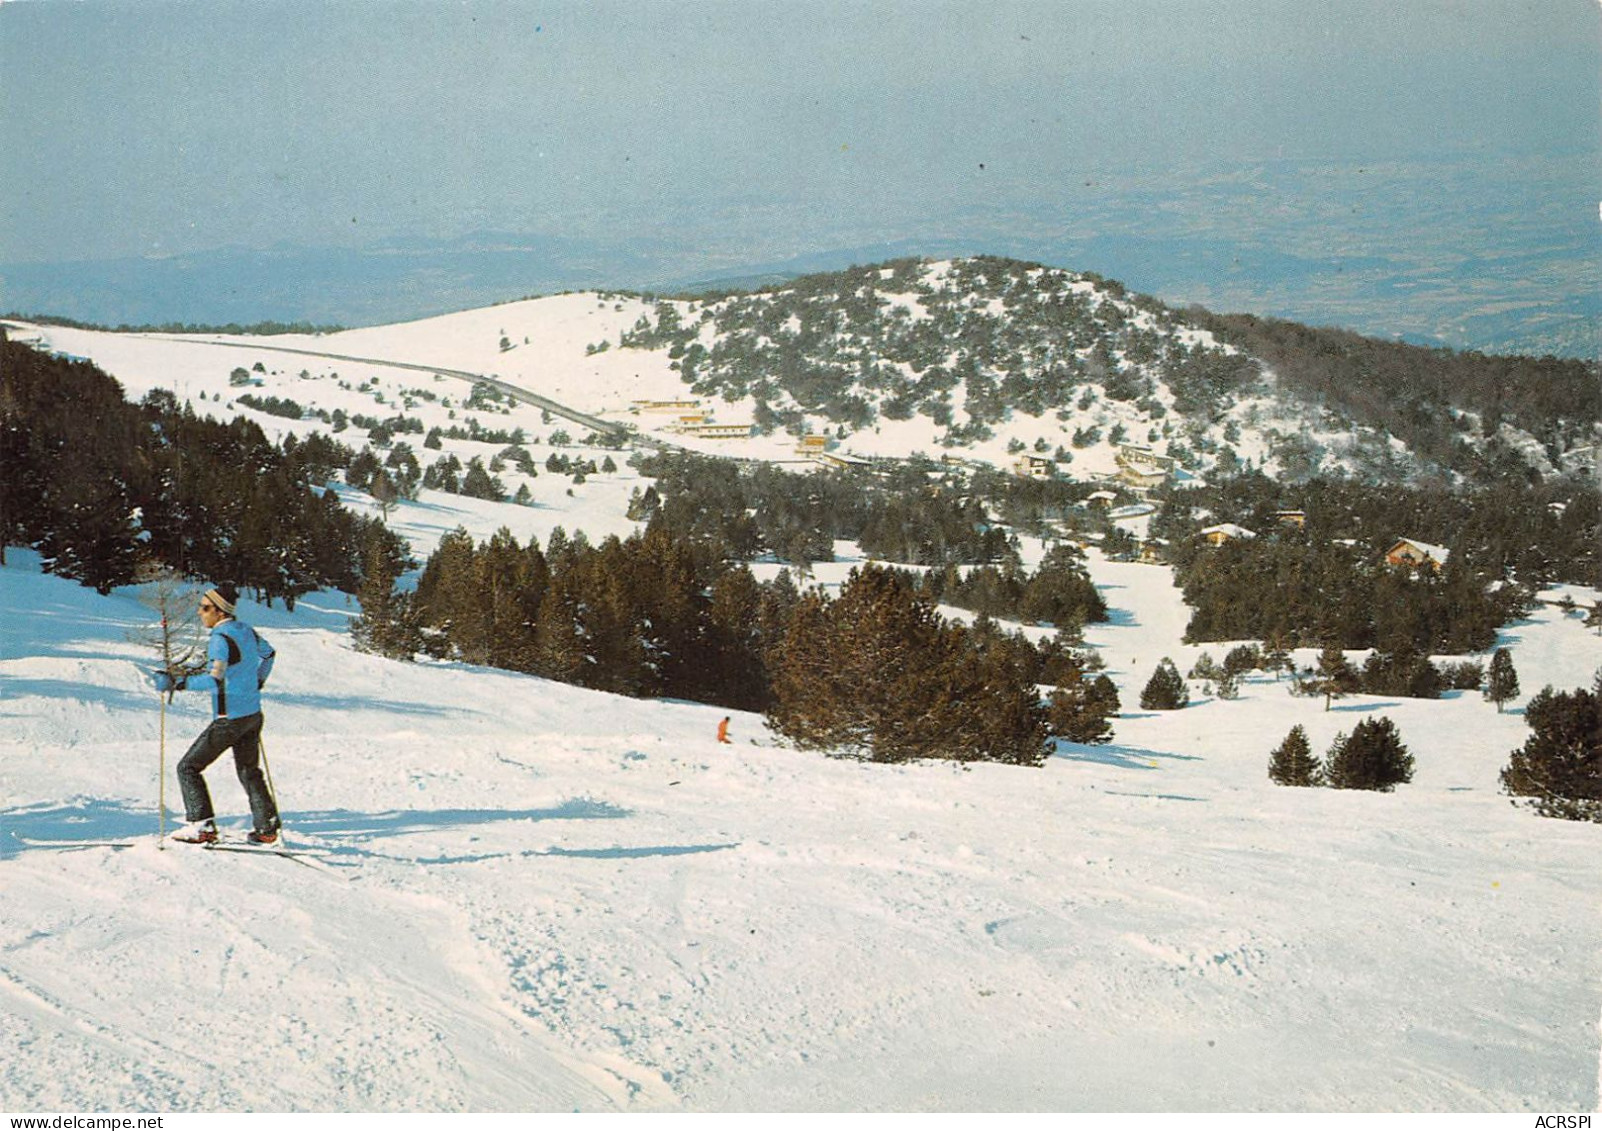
<point x="244" y="735"/>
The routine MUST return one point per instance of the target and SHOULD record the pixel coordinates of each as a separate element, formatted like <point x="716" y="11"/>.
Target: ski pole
<point x="165" y="697"/>
<point x="161" y="781"/>
<point x="267" y="774"/>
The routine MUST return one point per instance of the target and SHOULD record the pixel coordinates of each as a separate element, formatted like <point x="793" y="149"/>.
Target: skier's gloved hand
<point x="166" y="681"/>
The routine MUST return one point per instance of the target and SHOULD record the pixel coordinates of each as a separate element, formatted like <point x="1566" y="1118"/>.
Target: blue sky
<point x="754" y="131"/>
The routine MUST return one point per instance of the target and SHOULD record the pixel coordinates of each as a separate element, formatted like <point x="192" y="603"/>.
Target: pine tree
<point x="176" y="636"/>
<point x="1402" y="670"/>
<point x="643" y="507"/>
<point x="1560" y="764"/>
<point x="559" y="550"/>
<point x="987" y="707"/>
<point x="363" y="467"/>
<point x="501" y="567"/>
<point x="1276" y="654"/>
<point x="1243" y="659"/>
<point x="887" y="648"/>
<point x="1502" y="681"/>
<point x="385" y="492"/>
<point x="1082" y="709"/>
<point x="96" y="536"/>
<point x="449" y="606"/>
<point x="388" y="623"/>
<point x="605" y="612"/>
<point x="1334" y="678"/>
<point x="798" y="552"/>
<point x="1292" y="761"/>
<point x="533" y="579"/>
<point x="807" y="705"/>
<point x="478" y="483"/>
<point x="877" y="674"/>
<point x="737" y="674"/>
<point x="1371" y="757"/>
<point x="1166" y="690"/>
<point x="558" y="647"/>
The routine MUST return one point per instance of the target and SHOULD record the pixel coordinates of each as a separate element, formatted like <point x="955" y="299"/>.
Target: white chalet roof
<point x="1439" y="553"/>
<point x="1230" y="530"/>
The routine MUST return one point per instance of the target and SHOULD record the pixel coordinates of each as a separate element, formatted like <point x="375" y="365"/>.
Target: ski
<point x="72" y="842"/>
<point x="312" y="858"/>
<point x="67" y="843"/>
<point x="262" y="849"/>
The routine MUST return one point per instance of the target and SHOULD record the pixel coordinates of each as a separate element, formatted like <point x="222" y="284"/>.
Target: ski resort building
<point x="1226" y="532"/>
<point x="1142" y="470"/>
<point x="710" y="431"/>
<point x="842" y="460"/>
<point x="1133" y="455"/>
<point x="668" y="407"/>
<point x="1412" y="553"/>
<point x="1034" y="467"/>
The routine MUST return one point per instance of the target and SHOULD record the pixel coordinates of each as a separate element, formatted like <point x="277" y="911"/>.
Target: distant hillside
<point x="1425" y="397"/>
<point x="989" y="352"/>
<point x="991" y="360"/>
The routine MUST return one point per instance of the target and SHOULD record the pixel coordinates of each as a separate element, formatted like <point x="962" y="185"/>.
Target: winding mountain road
<point x="605" y="428"/>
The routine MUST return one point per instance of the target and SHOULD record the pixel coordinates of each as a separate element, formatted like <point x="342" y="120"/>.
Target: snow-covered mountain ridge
<point x="1002" y="355"/>
<point x="988" y="359"/>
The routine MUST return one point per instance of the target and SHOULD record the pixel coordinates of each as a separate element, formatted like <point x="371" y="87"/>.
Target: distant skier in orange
<point x="723" y="730"/>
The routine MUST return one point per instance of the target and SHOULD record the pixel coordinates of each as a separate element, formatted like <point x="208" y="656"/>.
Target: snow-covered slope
<point x="542" y="898"/>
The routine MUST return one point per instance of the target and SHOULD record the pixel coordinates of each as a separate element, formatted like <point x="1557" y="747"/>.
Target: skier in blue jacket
<point x="239" y="662"/>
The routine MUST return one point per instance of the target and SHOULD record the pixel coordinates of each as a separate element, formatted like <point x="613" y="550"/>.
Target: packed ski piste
<point x="528" y="896"/>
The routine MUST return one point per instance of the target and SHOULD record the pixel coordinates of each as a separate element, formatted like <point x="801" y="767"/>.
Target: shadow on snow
<point x="615" y="853"/>
<point x="339" y="832"/>
<point x="1116" y="754"/>
<point x="116" y="699"/>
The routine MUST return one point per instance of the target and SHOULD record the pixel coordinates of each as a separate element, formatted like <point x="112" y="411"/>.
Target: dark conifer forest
<point x="1409" y="391"/>
<point x="1329" y="579"/>
<point x="106" y="489"/>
